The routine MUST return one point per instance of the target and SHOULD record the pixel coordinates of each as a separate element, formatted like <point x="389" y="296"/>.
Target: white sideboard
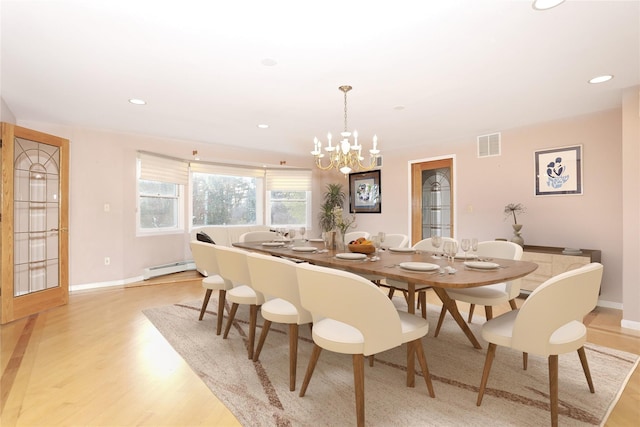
<point x="551" y="262"/>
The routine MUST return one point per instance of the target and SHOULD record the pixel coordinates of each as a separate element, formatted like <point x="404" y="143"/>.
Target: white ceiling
<point x="460" y="68"/>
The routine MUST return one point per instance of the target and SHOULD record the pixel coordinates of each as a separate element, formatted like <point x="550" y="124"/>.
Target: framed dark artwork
<point x="364" y="192"/>
<point x="558" y="171"/>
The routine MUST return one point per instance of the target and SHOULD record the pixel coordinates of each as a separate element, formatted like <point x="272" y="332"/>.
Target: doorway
<point x="432" y="199"/>
<point x="34" y="222"/>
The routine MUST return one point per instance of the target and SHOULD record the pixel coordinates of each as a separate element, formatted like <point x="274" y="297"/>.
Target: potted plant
<point x="511" y="210"/>
<point x="334" y="197"/>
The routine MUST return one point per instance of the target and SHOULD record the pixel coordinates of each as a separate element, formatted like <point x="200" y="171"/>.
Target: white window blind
<point x="226" y="170"/>
<point x="164" y="169"/>
<point x="288" y="180"/>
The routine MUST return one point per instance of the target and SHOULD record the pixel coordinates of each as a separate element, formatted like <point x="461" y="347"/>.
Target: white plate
<point x="316" y="240"/>
<point x="407" y="250"/>
<point x="304" y="248"/>
<point x="467" y="256"/>
<point x="273" y="244"/>
<point x="419" y="266"/>
<point x="482" y="265"/>
<point x="350" y="255"/>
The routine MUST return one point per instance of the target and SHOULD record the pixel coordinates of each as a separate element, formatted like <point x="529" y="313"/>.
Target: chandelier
<point x="345" y="156"/>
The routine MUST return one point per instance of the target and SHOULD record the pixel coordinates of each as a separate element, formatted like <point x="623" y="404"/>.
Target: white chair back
<point x="330" y="293"/>
<point x="504" y="250"/>
<point x="353" y="235"/>
<point x="204" y="257"/>
<point x="426" y="245"/>
<point x="560" y="300"/>
<point x="277" y="277"/>
<point x="258" y="236"/>
<point x="232" y="265"/>
<point x="395" y="241"/>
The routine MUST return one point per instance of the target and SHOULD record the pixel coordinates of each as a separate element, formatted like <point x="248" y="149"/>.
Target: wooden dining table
<point x="388" y="265"/>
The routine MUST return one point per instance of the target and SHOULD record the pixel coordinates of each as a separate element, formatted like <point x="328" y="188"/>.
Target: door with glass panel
<point x="432" y="199"/>
<point x="34" y="222"/>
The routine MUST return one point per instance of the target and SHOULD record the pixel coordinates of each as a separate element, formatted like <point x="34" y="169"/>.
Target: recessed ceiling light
<point x="263" y="126"/>
<point x="601" y="79"/>
<point x="546" y="4"/>
<point x="399" y="107"/>
<point x="137" y="101"/>
<point x="269" y="62"/>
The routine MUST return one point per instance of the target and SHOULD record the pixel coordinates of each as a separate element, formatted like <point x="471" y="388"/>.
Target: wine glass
<point x="376" y="243"/>
<point x="326" y="238"/>
<point x="436" y="241"/>
<point x="474" y="244"/>
<point x="302" y="232"/>
<point x="465" y="245"/>
<point x="292" y="235"/>
<point x="382" y="235"/>
<point x="450" y="249"/>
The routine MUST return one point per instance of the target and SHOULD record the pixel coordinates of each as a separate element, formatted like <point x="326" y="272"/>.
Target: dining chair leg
<point x="358" y="381"/>
<point x="207" y="296"/>
<point x="232" y="315"/>
<point x="371" y="359"/>
<point x="391" y="291"/>
<point x="423" y="302"/>
<point x="253" y="318"/>
<point x="491" y="352"/>
<point x="222" y="296"/>
<point x="553" y="388"/>
<point x="525" y="360"/>
<point x="488" y="311"/>
<point x="471" y="308"/>
<point x="512" y="303"/>
<point x="443" y="313"/>
<point x="293" y="355"/>
<point x="585" y="368"/>
<point x="263" y="336"/>
<point x="411" y="364"/>
<point x="423" y="365"/>
<point x="315" y="354"/>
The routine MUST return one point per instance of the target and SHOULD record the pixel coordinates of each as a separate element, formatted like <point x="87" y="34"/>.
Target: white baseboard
<point x="630" y="324"/>
<point x="122" y="282"/>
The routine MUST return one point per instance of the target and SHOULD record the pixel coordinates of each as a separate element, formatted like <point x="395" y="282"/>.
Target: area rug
<point x="258" y="393"/>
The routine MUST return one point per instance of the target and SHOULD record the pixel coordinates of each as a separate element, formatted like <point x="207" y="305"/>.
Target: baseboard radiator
<point x="161" y="270"/>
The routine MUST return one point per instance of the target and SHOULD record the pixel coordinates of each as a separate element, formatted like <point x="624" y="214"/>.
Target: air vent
<point x="489" y="145"/>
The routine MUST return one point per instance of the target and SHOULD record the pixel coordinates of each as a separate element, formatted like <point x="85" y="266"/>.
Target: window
<point x="288" y="198"/>
<point x="161" y="182"/>
<point x="224" y="199"/>
<point x="159" y="205"/>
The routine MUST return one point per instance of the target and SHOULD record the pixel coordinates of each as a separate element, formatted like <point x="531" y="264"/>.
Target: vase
<point x="517" y="238"/>
<point x="341" y="245"/>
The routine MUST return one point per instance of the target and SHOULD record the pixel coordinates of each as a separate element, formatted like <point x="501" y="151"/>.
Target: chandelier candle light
<point x="345" y="156"/>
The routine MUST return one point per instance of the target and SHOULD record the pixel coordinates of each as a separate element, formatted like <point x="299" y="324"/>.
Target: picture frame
<point x="558" y="171"/>
<point x="365" y="192"/>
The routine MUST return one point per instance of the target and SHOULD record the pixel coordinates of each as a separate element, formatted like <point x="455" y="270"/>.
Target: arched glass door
<point x="432" y="199"/>
<point x="34" y="244"/>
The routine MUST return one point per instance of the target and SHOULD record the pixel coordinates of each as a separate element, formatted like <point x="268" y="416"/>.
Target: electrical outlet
<point x="107" y="260"/>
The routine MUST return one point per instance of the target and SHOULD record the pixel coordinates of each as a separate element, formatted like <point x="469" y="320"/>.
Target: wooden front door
<point x="34" y="222"/>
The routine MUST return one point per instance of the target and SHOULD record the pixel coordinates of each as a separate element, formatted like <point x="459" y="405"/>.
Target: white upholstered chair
<point x="549" y="323"/>
<point x="393" y="240"/>
<point x="258" y="236"/>
<point x="488" y="295"/>
<point x="353" y="235"/>
<point x="371" y="326"/>
<point x="277" y="280"/>
<point x="392" y="284"/>
<point x="204" y="257"/>
<point x="233" y="266"/>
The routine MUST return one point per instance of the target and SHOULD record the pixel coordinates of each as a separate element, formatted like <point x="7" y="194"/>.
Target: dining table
<point x="390" y="263"/>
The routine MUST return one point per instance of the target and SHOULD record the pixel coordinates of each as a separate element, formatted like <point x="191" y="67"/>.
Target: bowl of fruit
<point x="362" y="246"/>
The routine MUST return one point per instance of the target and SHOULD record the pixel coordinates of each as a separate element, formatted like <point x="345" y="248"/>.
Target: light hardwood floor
<point x="99" y="362"/>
